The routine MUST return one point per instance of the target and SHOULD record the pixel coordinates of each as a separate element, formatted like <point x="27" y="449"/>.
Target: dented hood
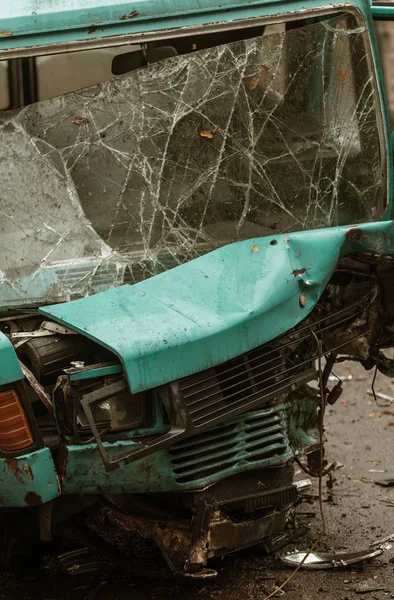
<point x="217" y="306"/>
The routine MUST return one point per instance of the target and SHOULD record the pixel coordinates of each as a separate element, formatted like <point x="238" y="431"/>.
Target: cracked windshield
<point x="124" y="179"/>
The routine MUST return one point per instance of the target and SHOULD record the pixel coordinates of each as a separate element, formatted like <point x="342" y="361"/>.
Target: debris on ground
<point x="369" y="585"/>
<point x="385" y="482"/>
<point x="326" y="560"/>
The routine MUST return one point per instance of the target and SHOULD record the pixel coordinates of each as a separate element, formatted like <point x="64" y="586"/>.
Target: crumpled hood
<point x="217" y="306"/>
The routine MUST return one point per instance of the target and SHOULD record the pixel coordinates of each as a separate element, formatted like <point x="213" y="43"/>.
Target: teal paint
<point x="28" y="23"/>
<point x="163" y="471"/>
<point x="10" y="369"/>
<point x="28" y="480"/>
<point x="217" y="306"/>
<point x="280" y="429"/>
<point x="245" y="298"/>
<point x="385" y="13"/>
<point x="96" y="372"/>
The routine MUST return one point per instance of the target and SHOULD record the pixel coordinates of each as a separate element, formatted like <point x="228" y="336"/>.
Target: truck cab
<point x="196" y="227"/>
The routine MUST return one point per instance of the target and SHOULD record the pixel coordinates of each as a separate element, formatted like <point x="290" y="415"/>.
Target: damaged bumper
<point x="28" y="480"/>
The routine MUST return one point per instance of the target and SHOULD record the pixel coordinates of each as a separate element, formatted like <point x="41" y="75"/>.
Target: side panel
<point x="28" y="480"/>
<point x="10" y="369"/>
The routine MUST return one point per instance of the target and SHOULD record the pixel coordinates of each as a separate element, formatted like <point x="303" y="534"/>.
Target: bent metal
<point x="195" y="207"/>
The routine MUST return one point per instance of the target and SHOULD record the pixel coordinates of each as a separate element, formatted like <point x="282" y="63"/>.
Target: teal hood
<point x="217" y="306"/>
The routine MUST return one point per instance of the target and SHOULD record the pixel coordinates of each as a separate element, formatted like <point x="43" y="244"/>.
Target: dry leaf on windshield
<point x="206" y="134"/>
<point x="80" y="121"/>
<point x="255" y="248"/>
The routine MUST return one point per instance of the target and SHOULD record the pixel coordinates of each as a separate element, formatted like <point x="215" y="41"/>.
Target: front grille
<point x="270" y="499"/>
<point x="259" y="439"/>
<point x="260" y="373"/>
<point x="216" y="396"/>
<point x="256" y="377"/>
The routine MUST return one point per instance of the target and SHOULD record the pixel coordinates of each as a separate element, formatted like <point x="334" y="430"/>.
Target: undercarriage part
<point x="192" y="528"/>
<point x="45" y="521"/>
<point x="187" y="555"/>
<point x="80" y="562"/>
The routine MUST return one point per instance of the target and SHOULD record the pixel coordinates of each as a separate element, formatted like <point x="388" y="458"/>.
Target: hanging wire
<point x="321" y="444"/>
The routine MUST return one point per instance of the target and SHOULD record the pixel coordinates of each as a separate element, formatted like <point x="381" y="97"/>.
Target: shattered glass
<point x="124" y="179"/>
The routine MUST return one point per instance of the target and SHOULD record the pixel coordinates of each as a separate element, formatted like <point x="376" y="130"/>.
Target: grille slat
<point x="223" y="381"/>
<point x="224" y="410"/>
<point x="272" y="429"/>
<point x="274" y="451"/>
<point x="242" y="383"/>
<point x="225" y="389"/>
<point x="180" y="466"/>
<point x="202" y="451"/>
<point x="257" y="439"/>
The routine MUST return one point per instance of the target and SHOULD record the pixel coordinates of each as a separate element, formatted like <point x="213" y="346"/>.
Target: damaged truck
<point x="195" y="225"/>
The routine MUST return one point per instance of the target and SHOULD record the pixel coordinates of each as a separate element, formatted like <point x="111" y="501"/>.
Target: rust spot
<point x="297" y="272"/>
<point x="353" y="234"/>
<point x="13" y="465"/>
<point x="33" y="499"/>
<point x="133" y="13"/>
<point x="62" y="460"/>
<point x="27" y="469"/>
<point x="92" y="29"/>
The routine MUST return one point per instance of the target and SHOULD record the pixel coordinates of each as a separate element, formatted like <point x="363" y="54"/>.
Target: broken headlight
<point x="104" y="404"/>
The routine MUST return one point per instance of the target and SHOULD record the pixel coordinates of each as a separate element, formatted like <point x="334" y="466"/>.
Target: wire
<point x="322" y="515"/>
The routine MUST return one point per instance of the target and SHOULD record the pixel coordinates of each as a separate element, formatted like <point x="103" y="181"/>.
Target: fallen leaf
<point x="206" y="134"/>
<point x="255" y="248"/>
<point x="253" y="83"/>
<point x="80" y="121"/>
<point x="265" y="68"/>
<point x="390" y="424"/>
<point x="342" y="74"/>
<point x="5" y="32"/>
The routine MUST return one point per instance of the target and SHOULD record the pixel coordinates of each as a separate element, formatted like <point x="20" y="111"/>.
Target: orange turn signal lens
<point x="15" y="432"/>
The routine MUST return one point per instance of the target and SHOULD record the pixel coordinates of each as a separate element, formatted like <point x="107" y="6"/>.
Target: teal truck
<point x="196" y="204"/>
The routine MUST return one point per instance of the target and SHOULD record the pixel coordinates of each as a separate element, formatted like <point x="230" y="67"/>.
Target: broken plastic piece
<point x="327" y="560"/>
<point x="302" y="484"/>
<point x="340" y="378"/>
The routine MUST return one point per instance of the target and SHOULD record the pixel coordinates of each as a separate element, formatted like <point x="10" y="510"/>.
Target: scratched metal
<point x="128" y="178"/>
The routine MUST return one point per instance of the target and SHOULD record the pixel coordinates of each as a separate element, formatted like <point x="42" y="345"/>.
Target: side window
<point x="4" y="88"/>
<point x="385" y="36"/>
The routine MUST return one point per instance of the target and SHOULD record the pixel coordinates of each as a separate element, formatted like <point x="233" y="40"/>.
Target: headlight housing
<point x="104" y="402"/>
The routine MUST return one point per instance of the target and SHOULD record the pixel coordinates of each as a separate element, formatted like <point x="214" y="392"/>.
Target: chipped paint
<point x="28" y="480"/>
